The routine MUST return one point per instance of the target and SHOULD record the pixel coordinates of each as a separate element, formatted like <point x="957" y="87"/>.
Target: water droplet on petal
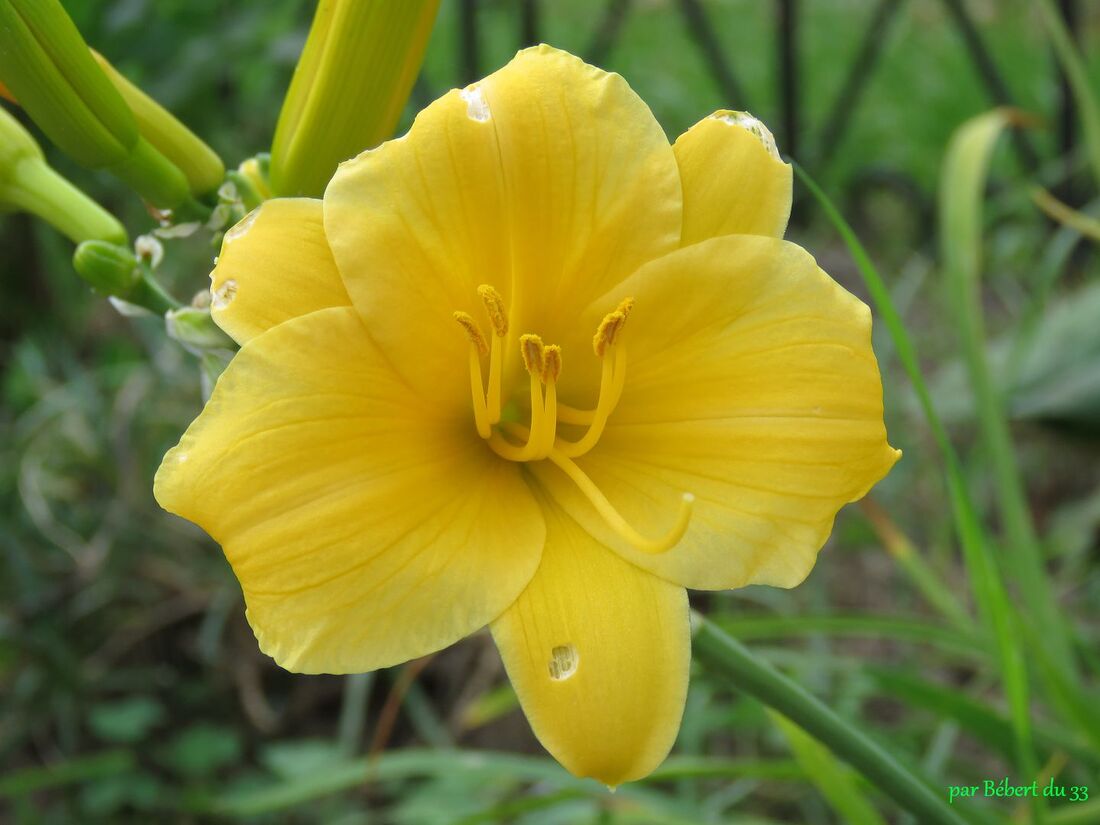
<point x="753" y="125"/>
<point x="223" y="295"/>
<point x="477" y="107"/>
<point x="241" y="227"/>
<point x="563" y="662"/>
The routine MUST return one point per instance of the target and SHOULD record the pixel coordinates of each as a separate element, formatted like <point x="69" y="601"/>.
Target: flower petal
<point x="598" y="652"/>
<point x="549" y="179"/>
<point x="734" y="182"/>
<point x="750" y="383"/>
<point x="275" y="264"/>
<point x="365" y="528"/>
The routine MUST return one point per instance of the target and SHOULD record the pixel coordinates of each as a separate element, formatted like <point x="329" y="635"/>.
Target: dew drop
<point x="563" y="662"/>
<point x="223" y="295"/>
<point x="477" y="108"/>
<point x="753" y="125"/>
<point x="241" y="227"/>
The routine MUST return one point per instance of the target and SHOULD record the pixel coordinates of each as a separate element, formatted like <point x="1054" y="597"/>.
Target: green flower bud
<point x="48" y="67"/>
<point x="111" y="269"/>
<point x="116" y="272"/>
<point x="199" y="163"/>
<point x="349" y="88"/>
<point x="28" y="184"/>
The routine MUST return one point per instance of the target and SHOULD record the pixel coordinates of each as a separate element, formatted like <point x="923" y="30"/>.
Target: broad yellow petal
<point x="598" y="651"/>
<point x="549" y="180"/>
<point x="734" y="182"/>
<point x="750" y="383"/>
<point x="274" y="265"/>
<point x="365" y="527"/>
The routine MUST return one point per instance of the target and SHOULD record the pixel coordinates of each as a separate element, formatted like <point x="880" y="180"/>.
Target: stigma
<point x="541" y="438"/>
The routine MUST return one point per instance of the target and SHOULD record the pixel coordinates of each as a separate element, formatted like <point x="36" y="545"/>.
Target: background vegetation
<point x="131" y="688"/>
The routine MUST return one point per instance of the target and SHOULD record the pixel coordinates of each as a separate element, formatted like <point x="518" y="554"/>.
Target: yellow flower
<point x="385" y="481"/>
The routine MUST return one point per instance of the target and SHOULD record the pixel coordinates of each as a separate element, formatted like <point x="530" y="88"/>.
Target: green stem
<point x="150" y="294"/>
<point x="726" y="656"/>
<point x="353" y="712"/>
<point x="38" y="189"/>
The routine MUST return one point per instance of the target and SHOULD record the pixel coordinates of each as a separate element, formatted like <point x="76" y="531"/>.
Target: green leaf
<point x="201" y="750"/>
<point x="129" y="720"/>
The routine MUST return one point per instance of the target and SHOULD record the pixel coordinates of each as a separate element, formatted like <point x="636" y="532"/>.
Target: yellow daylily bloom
<point x="433" y="423"/>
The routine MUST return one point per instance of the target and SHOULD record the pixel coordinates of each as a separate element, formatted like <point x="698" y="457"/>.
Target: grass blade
<point x="984" y="575"/>
<point x="1078" y="78"/>
<point x="837" y="784"/>
<point x="727" y="657"/>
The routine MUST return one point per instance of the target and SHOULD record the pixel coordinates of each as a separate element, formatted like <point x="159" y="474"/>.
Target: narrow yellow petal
<point x="752" y="385"/>
<point x="734" y="181"/>
<point x="274" y="265"/>
<point x="598" y="652"/>
<point x="365" y="528"/>
<point x="550" y="180"/>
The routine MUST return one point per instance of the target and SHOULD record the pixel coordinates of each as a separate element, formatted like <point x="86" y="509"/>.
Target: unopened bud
<point x="109" y="268"/>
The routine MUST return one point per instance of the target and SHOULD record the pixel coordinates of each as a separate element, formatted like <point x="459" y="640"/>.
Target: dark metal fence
<point x="798" y="138"/>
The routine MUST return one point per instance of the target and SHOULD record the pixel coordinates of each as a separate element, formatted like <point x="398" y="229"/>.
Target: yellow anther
<point x="551" y="363"/>
<point x="494" y="306"/>
<point x="473" y="331"/>
<point x="606" y="332"/>
<point x="530" y="346"/>
<point x="626" y="306"/>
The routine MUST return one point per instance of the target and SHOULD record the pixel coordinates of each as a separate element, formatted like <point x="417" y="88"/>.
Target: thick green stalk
<point x="36" y="188"/>
<point x="724" y="655"/>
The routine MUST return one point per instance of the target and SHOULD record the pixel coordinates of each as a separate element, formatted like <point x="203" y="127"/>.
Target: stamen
<point x="611" y="326"/>
<point x="551" y="369"/>
<point x="531" y="348"/>
<point x="606" y="332"/>
<point x="498" y="317"/>
<point x="612" y="379"/>
<point x="494" y="306"/>
<point x="612" y="516"/>
<point x="473" y="331"/>
<point x="494" y="380"/>
<point x="477" y="392"/>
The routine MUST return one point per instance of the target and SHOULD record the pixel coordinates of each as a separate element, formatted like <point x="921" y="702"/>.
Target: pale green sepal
<point x="349" y="88"/>
<point x="195" y="329"/>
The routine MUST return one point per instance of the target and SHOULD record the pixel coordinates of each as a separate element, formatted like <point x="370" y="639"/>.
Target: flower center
<point x="540" y="440"/>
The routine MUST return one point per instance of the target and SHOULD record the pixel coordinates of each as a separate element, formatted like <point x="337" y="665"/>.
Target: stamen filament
<point x="550" y="419"/>
<point x="612" y="379"/>
<point x="532" y="449"/>
<point x="493" y="403"/>
<point x="481" y="414"/>
<point x="612" y="516"/>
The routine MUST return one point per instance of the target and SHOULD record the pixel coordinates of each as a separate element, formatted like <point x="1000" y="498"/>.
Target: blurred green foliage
<point x="131" y="688"/>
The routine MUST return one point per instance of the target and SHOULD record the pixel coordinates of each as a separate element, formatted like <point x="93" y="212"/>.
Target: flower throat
<point x="541" y="440"/>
